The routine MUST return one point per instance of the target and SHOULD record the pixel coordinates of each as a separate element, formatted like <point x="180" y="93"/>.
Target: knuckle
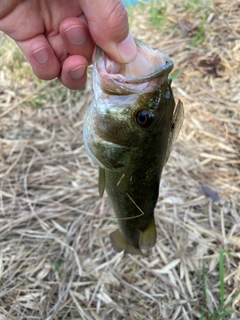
<point x="118" y="22"/>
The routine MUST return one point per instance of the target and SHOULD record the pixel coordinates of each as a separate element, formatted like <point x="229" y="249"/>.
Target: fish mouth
<point x="149" y="70"/>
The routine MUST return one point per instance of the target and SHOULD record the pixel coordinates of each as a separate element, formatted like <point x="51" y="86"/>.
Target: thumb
<point x="108" y="24"/>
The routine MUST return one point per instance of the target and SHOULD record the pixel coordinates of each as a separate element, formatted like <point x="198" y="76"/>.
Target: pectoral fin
<point x="178" y="117"/>
<point x="101" y="181"/>
<point x="148" y="237"/>
<point x="119" y="243"/>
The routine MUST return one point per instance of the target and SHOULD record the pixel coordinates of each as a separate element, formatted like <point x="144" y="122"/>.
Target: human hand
<point x="58" y="36"/>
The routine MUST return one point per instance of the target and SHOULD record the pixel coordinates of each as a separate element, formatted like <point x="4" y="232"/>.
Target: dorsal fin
<point x="177" y="122"/>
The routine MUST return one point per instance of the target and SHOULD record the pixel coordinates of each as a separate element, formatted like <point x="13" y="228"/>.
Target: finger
<point x="76" y="36"/>
<point x="74" y="72"/>
<point x="43" y="60"/>
<point x="108" y="25"/>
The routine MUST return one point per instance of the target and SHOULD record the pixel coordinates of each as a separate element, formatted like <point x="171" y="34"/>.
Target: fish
<point x="129" y="132"/>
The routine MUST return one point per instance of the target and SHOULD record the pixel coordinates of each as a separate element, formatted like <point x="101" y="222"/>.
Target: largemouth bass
<point x="129" y="132"/>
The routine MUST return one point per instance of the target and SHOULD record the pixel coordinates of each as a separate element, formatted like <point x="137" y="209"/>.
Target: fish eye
<point x="144" y="118"/>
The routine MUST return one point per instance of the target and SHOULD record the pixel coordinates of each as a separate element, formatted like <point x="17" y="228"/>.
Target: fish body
<point x="129" y="134"/>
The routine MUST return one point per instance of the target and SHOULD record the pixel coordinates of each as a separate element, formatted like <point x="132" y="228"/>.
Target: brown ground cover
<point x="56" y="261"/>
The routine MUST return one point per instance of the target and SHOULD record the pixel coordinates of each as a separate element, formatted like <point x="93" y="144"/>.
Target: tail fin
<point x="149" y="235"/>
<point x="119" y="243"/>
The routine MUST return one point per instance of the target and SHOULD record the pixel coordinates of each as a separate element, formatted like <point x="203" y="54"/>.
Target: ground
<point x="56" y="260"/>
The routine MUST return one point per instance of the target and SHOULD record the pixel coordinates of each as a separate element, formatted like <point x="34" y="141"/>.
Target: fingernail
<point x="41" y="55"/>
<point x="76" y="35"/>
<point x="127" y="49"/>
<point x="78" y="72"/>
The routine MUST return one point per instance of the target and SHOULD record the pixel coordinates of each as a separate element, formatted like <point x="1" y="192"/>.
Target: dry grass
<point x="56" y="261"/>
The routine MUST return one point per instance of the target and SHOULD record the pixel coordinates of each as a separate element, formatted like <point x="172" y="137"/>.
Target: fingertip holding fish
<point x="127" y="49"/>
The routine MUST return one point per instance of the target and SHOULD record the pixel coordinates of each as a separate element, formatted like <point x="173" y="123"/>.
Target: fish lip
<point x="114" y="81"/>
<point x="160" y="72"/>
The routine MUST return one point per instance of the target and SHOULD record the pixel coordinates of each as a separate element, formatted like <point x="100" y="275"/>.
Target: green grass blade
<point x="221" y="275"/>
<point x="204" y="282"/>
<point x="220" y="313"/>
<point x="223" y="315"/>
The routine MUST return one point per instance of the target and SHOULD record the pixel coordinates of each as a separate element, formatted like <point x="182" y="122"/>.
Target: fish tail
<point x="119" y="243"/>
<point x="148" y="236"/>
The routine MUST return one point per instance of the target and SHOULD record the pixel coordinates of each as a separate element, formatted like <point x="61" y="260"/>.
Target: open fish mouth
<point x="149" y="70"/>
